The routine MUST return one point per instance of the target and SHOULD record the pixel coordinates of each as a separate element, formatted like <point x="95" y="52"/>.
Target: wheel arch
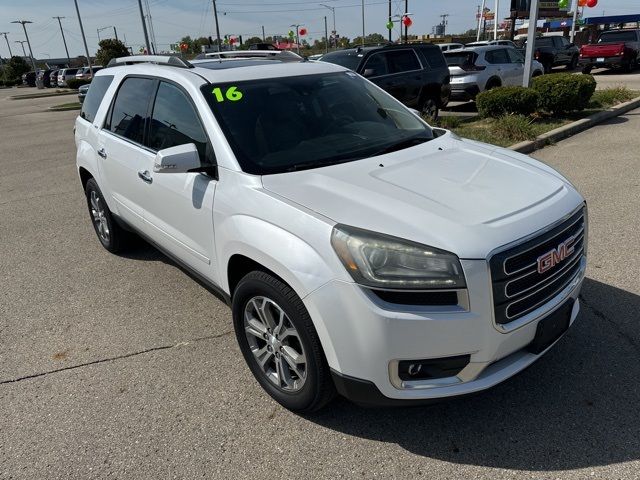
<point x="493" y="81"/>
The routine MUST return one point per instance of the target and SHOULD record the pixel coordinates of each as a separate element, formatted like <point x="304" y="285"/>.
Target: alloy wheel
<point x="99" y="216"/>
<point x="275" y="344"/>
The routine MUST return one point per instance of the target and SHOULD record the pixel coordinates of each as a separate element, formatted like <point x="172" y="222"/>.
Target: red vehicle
<point x="615" y="49"/>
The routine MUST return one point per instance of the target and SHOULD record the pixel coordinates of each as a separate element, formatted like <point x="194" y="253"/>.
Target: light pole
<point x="22" y="42"/>
<point x="363" y="22"/>
<point x="326" y="36"/>
<point x="495" y="21"/>
<point x="333" y="11"/>
<point x="144" y="28"/>
<point x="24" y="23"/>
<point x="297" y="36"/>
<point x="6" y="40"/>
<point x="106" y="28"/>
<point x="531" y="38"/>
<point x="215" y="16"/>
<point x="64" y="40"/>
<point x="84" y="39"/>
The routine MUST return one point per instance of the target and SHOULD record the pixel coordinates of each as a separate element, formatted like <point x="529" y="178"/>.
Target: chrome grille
<point x="518" y="286"/>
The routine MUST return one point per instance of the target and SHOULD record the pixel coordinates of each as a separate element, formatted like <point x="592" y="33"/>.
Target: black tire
<point x="537" y="73"/>
<point x="116" y="238"/>
<point x="586" y="70"/>
<point x="547" y="67"/>
<point x="429" y="110"/>
<point x="317" y="389"/>
<point x="492" y="83"/>
<point x="573" y="63"/>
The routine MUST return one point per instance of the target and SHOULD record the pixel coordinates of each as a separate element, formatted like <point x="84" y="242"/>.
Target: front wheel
<point x="573" y="63"/>
<point x="111" y="235"/>
<point x="429" y="110"/>
<point x="280" y="344"/>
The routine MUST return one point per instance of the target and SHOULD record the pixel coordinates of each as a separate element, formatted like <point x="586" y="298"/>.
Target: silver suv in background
<point x="474" y="70"/>
<point x="65" y="75"/>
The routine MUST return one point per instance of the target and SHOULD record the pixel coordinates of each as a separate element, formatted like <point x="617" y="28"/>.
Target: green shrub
<point x="608" y="97"/>
<point x="507" y="100"/>
<point x="76" y="83"/>
<point x="563" y="92"/>
<point x="448" y="122"/>
<point x="515" y="128"/>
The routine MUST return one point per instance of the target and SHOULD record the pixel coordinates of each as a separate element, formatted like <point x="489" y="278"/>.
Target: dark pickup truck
<point x="614" y="49"/>
<point x="554" y="51"/>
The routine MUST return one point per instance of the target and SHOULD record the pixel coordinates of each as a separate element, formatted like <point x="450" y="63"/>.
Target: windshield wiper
<point x="401" y="145"/>
<point x="318" y="164"/>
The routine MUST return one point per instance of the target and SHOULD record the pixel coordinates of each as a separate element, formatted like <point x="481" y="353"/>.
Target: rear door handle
<point x="145" y="176"/>
<point x="102" y="152"/>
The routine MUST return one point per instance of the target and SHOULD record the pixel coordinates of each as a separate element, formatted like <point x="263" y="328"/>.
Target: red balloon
<point x="406" y="21"/>
<point x="582" y="3"/>
<point x="592" y="3"/>
<point x="302" y="31"/>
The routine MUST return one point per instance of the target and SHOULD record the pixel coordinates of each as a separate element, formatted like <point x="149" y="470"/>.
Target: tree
<point x="110" y="48"/>
<point x="15" y="67"/>
<point x="250" y="41"/>
<point x="374" y="38"/>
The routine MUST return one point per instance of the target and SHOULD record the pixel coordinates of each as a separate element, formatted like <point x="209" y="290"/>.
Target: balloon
<point x="406" y="21"/>
<point x="292" y="33"/>
<point x="302" y="31"/>
<point x="389" y="25"/>
<point x="592" y="3"/>
<point x="582" y="3"/>
<point x="563" y="3"/>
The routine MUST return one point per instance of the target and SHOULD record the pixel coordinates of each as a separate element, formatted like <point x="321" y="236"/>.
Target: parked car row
<point x="59" y="77"/>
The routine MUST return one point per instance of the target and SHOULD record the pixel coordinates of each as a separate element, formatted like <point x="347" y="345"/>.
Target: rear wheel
<point x="586" y="70"/>
<point x="280" y="344"/>
<point x="492" y="83"/>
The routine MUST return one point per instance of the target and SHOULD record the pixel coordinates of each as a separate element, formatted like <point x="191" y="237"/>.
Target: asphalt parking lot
<point x="126" y="367"/>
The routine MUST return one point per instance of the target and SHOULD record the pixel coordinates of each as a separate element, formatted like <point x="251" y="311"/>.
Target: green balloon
<point x="390" y="25"/>
<point x="291" y="34"/>
<point x="563" y="3"/>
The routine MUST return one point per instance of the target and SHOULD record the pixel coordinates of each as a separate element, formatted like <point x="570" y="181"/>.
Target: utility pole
<point x="6" y="40"/>
<point x="480" y="16"/>
<point x="264" y="39"/>
<point x="297" y="36"/>
<point x="22" y="42"/>
<point x="215" y="15"/>
<point x="115" y="32"/>
<point x="326" y="36"/>
<point x="495" y="20"/>
<point x="84" y="39"/>
<point x="24" y="27"/>
<point x="390" y="22"/>
<point x="63" y="39"/>
<point x="531" y="38"/>
<point x="363" y="22"/>
<point x="333" y="11"/>
<point x="144" y="27"/>
<point x="406" y="28"/>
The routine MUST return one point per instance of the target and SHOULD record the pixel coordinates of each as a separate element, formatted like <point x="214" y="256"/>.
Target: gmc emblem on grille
<point x="557" y="255"/>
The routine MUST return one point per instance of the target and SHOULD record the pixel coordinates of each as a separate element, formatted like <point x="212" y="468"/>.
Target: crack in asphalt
<point x="602" y="316"/>
<point x="112" y="359"/>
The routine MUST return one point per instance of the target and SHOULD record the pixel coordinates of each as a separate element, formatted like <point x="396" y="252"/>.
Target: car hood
<point x="457" y="195"/>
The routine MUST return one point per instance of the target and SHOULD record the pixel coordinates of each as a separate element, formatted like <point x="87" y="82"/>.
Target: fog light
<point x="412" y="370"/>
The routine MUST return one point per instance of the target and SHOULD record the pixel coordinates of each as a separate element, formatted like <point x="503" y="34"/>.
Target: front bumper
<point x="464" y="92"/>
<point x="365" y="338"/>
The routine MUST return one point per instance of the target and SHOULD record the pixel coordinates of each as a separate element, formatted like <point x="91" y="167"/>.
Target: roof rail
<point x="169" y="60"/>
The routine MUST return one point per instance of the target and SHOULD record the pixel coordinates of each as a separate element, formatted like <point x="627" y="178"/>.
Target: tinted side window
<point x="563" y="41"/>
<point x="497" y="56"/>
<point x="129" y="112"/>
<point x="174" y="121"/>
<point x="515" y="56"/>
<point x="434" y="57"/>
<point x="94" y="97"/>
<point x="402" y="61"/>
<point x="378" y="63"/>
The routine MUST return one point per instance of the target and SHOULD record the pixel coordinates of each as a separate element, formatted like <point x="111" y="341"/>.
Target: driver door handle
<point x="102" y="152"/>
<point x="145" y="176"/>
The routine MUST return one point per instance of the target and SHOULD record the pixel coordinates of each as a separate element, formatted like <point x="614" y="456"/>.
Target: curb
<point x="64" y="109"/>
<point x="43" y="95"/>
<point x="573" y="128"/>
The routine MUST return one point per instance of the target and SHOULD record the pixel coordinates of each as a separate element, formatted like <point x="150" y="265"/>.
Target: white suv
<point x="360" y="249"/>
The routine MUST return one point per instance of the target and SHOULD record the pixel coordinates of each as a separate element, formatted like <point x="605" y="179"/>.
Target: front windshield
<point x="283" y="124"/>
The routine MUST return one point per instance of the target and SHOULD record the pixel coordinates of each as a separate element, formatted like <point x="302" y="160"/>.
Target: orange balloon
<point x="582" y="3"/>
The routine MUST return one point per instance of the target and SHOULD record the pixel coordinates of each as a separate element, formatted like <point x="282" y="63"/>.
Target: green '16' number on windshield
<point x="232" y="94"/>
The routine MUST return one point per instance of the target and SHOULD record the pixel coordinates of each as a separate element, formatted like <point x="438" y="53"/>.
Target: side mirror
<point x="179" y="159"/>
<point x="368" y="72"/>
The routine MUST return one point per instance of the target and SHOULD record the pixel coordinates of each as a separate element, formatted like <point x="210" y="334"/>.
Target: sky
<point x="173" y="19"/>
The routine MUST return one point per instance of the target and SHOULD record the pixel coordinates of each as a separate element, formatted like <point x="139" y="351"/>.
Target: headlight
<point x="382" y="261"/>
